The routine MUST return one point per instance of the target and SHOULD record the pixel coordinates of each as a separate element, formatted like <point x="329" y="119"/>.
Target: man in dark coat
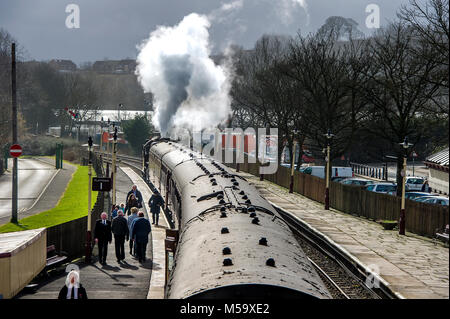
<point x="102" y="235"/>
<point x="155" y="202"/>
<point x="139" y="233"/>
<point x="119" y="228"/>
<point x="136" y="194"/>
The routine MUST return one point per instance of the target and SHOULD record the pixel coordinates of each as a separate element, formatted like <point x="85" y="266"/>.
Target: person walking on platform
<point x="131" y="218"/>
<point x="73" y="289"/>
<point x="139" y="233"/>
<point x="120" y="230"/>
<point x="114" y="210"/>
<point x="131" y="202"/>
<point x="102" y="235"/>
<point x="137" y="194"/>
<point x="155" y="202"/>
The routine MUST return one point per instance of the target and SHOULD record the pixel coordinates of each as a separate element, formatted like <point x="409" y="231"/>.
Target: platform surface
<point x="126" y="280"/>
<point x="413" y="266"/>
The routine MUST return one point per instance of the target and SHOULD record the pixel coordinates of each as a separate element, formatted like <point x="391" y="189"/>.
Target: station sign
<point x="101" y="184"/>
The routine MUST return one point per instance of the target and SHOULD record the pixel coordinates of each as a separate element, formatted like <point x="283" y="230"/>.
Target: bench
<point x="52" y="258"/>
<point x="442" y="236"/>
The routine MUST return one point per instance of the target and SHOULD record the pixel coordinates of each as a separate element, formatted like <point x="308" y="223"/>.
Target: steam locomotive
<point x="232" y="243"/>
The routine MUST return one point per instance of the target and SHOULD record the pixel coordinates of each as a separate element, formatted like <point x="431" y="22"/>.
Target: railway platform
<point x="126" y="280"/>
<point x="411" y="266"/>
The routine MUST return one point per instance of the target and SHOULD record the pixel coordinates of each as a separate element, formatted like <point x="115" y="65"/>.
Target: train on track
<point x="232" y="243"/>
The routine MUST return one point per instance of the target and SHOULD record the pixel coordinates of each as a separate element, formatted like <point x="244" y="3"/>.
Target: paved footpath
<point x="40" y="187"/>
<point x="126" y="280"/>
<point x="412" y="266"/>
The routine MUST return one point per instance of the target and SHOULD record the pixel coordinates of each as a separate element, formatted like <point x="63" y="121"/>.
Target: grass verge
<point x="72" y="205"/>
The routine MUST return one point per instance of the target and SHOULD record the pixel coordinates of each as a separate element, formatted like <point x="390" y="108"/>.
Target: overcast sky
<point x="112" y="28"/>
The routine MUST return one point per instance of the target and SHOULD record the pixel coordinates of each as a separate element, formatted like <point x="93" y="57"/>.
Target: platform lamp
<point x="294" y="153"/>
<point x="89" y="233"/>
<point x="402" y="222"/>
<point x="114" y="168"/>
<point x="329" y="136"/>
<point x="101" y="135"/>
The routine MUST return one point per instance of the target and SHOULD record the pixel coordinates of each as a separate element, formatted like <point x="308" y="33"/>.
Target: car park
<point x="385" y="188"/>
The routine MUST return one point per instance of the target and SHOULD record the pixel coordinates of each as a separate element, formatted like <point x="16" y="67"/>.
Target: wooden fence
<point x="421" y="218"/>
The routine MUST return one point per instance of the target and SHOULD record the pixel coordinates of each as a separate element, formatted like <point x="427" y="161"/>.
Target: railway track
<point x="341" y="276"/>
<point x="136" y="164"/>
<point x="344" y="279"/>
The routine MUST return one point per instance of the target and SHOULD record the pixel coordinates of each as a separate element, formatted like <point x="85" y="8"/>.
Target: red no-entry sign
<point x="15" y="150"/>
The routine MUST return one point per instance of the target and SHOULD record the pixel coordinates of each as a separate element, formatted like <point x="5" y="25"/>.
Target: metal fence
<point x="370" y="171"/>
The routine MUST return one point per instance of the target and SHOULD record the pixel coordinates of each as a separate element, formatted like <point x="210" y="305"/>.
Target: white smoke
<point x="189" y="89"/>
<point x="287" y="7"/>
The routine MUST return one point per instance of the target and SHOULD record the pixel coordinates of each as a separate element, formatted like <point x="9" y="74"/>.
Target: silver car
<point x="437" y="200"/>
<point x="386" y="188"/>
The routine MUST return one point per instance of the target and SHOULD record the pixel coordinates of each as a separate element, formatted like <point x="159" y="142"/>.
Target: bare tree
<point x="262" y="94"/>
<point x="329" y="71"/>
<point x="398" y="86"/>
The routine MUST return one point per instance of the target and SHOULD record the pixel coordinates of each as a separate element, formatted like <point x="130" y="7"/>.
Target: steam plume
<point x="189" y="89"/>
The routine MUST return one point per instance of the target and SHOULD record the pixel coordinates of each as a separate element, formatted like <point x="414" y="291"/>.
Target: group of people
<point x="135" y="228"/>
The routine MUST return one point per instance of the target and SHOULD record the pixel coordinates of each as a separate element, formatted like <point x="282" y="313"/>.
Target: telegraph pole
<point x="14" y="132"/>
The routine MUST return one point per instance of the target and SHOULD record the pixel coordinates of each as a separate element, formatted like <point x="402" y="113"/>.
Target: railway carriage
<point x="232" y="243"/>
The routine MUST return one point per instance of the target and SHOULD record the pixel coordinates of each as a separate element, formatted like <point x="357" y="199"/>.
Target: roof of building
<point x="440" y="158"/>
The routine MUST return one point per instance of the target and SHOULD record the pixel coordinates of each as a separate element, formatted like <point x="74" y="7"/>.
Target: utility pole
<point x="14" y="218"/>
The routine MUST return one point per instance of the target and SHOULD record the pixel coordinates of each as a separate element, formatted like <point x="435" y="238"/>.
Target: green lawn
<point x="72" y="205"/>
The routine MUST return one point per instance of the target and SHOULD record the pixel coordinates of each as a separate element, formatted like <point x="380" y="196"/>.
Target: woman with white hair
<point x="73" y="288"/>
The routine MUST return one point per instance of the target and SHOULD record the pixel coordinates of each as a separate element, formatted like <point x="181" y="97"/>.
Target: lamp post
<point x="101" y="135"/>
<point x="402" y="222"/>
<point x="291" y="185"/>
<point x="114" y="169"/>
<point x="107" y="145"/>
<point x="89" y="233"/>
<point x="328" y="135"/>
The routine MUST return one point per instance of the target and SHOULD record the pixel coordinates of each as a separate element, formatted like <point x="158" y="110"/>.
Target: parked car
<point x="357" y="181"/>
<point x="414" y="183"/>
<point x="440" y="200"/>
<point x="386" y="188"/>
<point x="414" y="195"/>
<point x="319" y="171"/>
<point x="423" y="198"/>
<point x="338" y="179"/>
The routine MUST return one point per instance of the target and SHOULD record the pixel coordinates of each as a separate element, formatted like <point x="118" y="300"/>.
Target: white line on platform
<point x="158" y="276"/>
